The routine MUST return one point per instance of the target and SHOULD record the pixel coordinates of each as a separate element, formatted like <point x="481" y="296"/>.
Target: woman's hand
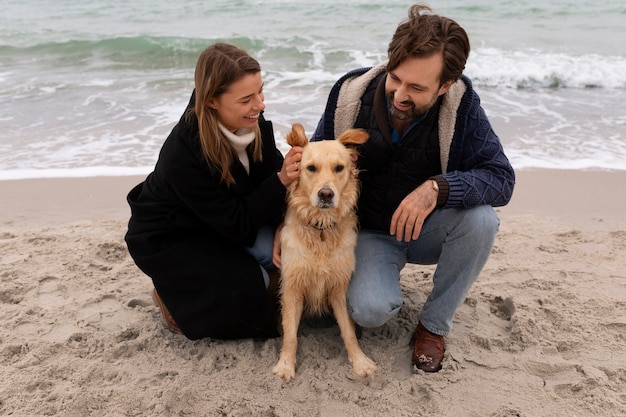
<point x="290" y="170"/>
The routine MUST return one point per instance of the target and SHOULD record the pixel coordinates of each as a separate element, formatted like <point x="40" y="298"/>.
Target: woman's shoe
<point x="167" y="317"/>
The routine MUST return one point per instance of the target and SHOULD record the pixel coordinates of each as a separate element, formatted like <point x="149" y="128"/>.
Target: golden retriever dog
<point x="317" y="244"/>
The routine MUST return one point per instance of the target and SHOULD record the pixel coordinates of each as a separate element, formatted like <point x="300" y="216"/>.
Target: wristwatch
<point x="435" y="185"/>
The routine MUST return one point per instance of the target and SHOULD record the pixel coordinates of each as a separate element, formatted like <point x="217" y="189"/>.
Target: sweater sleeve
<point x="478" y="172"/>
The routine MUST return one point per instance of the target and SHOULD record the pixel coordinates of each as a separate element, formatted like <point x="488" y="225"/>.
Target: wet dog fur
<point x="317" y="244"/>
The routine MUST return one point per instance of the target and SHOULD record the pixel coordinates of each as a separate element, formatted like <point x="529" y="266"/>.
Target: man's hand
<point x="409" y="217"/>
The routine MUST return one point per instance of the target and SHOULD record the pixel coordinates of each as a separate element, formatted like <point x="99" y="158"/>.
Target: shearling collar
<point x="349" y="105"/>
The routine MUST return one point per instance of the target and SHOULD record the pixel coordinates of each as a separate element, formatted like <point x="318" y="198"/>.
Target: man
<point x="430" y="174"/>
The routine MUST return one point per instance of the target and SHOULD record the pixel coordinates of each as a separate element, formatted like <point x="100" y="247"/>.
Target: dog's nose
<point x="325" y="195"/>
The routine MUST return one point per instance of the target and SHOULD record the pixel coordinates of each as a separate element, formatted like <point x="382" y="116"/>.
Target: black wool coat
<point x="188" y="231"/>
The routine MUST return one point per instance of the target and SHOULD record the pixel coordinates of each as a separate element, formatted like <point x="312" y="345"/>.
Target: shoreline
<point x="571" y="195"/>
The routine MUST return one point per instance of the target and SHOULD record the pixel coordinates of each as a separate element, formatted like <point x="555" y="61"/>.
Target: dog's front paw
<point x="363" y="366"/>
<point x="285" y="370"/>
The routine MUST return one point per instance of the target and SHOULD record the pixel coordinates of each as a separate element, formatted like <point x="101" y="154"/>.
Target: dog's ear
<point x="352" y="137"/>
<point x="297" y="137"/>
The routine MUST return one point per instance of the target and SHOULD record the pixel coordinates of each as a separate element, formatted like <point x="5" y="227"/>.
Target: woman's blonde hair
<point x="217" y="68"/>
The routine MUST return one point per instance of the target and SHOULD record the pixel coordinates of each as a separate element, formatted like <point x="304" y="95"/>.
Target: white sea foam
<point x="540" y="69"/>
<point x="82" y="96"/>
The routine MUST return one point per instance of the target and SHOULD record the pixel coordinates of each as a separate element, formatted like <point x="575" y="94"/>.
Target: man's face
<point x="413" y="86"/>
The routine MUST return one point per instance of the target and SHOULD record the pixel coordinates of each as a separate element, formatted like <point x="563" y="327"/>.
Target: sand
<point x="542" y="332"/>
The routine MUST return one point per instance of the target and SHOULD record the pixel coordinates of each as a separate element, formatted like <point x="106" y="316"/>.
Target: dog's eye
<point x="339" y="168"/>
<point x="311" y="168"/>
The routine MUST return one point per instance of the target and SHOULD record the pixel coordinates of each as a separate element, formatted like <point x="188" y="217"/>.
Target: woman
<point x="202" y="223"/>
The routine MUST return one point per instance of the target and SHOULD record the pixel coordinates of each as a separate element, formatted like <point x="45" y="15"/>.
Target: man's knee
<point x="372" y="315"/>
<point x="483" y="220"/>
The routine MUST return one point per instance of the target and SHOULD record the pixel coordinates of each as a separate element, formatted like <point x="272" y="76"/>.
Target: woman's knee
<point x="263" y="247"/>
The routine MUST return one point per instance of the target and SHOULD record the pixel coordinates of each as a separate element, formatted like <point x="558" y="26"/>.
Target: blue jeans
<point x="459" y="241"/>
<point x="262" y="251"/>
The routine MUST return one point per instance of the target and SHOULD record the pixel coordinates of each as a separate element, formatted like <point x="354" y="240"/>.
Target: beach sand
<point x="542" y="332"/>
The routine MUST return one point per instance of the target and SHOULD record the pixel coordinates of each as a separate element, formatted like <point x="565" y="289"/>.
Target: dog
<point x="317" y="244"/>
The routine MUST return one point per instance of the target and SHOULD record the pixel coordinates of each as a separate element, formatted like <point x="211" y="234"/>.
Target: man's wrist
<point x="435" y="186"/>
<point x="442" y="187"/>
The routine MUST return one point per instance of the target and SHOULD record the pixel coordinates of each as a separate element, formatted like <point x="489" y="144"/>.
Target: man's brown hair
<point x="425" y="33"/>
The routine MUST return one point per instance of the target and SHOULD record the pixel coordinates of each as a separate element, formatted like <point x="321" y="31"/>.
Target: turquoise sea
<point x="93" y="88"/>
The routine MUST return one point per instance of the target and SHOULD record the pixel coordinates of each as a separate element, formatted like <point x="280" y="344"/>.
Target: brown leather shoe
<point x="167" y="317"/>
<point x="428" y="349"/>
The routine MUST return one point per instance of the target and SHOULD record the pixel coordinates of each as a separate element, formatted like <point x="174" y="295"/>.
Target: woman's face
<point x="240" y="106"/>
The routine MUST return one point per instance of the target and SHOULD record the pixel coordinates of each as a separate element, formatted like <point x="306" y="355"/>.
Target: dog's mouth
<point x="325" y="205"/>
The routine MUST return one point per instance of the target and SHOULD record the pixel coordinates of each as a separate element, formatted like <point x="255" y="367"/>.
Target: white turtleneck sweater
<point x="240" y="139"/>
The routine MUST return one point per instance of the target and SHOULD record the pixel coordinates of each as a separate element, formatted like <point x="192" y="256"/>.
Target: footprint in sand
<point x="12" y="292"/>
<point x="224" y="361"/>
<point x="106" y="313"/>
<point x="502" y="307"/>
<point x="51" y="292"/>
<point x="140" y="302"/>
<point x="41" y="240"/>
<point x="94" y="310"/>
<point x="111" y="252"/>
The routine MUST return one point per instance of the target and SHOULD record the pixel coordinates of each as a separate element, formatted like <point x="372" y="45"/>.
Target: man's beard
<point x="413" y="112"/>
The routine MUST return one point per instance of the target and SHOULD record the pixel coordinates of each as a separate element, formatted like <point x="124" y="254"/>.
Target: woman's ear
<point x="210" y="103"/>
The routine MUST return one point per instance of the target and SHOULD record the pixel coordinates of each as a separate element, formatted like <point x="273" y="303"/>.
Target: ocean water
<point x="93" y="88"/>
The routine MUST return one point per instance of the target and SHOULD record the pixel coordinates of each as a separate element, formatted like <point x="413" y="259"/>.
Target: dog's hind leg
<point x="361" y="364"/>
<point x="292" y="306"/>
